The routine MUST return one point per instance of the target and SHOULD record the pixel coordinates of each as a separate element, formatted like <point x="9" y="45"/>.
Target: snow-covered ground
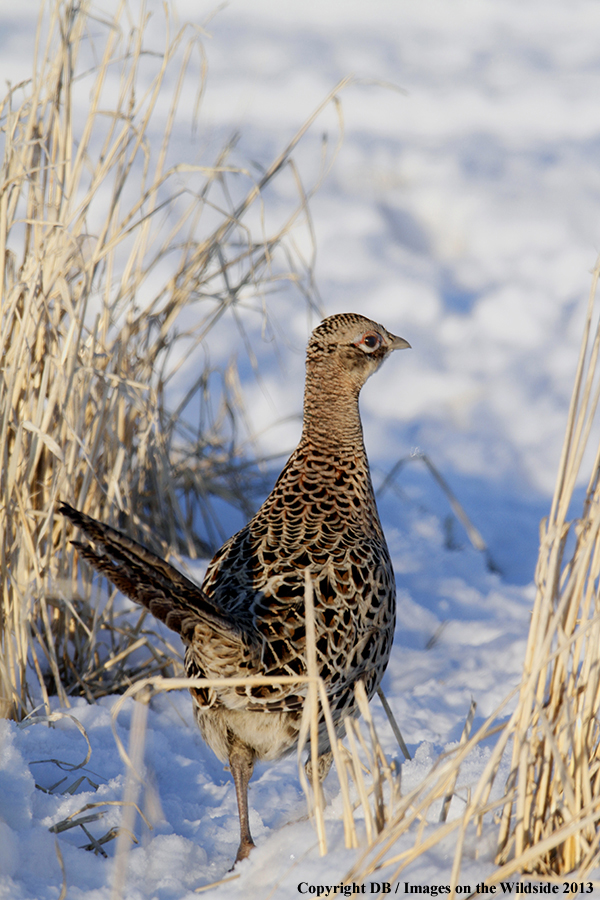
<point x="464" y="214"/>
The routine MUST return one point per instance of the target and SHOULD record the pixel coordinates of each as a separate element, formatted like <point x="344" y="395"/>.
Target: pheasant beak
<point x="398" y="343"/>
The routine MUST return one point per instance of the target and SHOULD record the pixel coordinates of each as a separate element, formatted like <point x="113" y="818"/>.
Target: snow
<point x="463" y="213"/>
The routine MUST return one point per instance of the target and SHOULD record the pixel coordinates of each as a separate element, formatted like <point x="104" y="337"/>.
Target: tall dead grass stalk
<point x="117" y="262"/>
<point x="556" y="743"/>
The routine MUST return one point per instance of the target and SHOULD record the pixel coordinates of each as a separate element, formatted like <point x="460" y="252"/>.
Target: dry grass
<point x="556" y="740"/>
<point x="116" y="266"/>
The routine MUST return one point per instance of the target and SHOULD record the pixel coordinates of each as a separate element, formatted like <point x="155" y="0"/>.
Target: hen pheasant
<point x="248" y="617"/>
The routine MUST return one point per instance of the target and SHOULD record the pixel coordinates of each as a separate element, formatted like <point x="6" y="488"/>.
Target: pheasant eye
<point x="369" y="342"/>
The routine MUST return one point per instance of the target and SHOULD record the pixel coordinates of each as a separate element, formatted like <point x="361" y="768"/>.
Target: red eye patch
<point x="369" y="341"/>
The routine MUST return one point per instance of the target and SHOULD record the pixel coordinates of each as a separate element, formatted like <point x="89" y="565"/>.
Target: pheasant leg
<point x="323" y="766"/>
<point x="241" y="762"/>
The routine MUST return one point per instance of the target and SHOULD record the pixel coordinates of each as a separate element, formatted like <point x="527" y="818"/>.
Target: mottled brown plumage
<point x="248" y="618"/>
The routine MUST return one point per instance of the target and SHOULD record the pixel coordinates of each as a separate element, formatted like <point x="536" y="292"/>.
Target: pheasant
<point x="249" y="616"/>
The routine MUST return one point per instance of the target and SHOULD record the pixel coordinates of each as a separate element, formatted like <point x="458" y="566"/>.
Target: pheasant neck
<point x="331" y="415"/>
